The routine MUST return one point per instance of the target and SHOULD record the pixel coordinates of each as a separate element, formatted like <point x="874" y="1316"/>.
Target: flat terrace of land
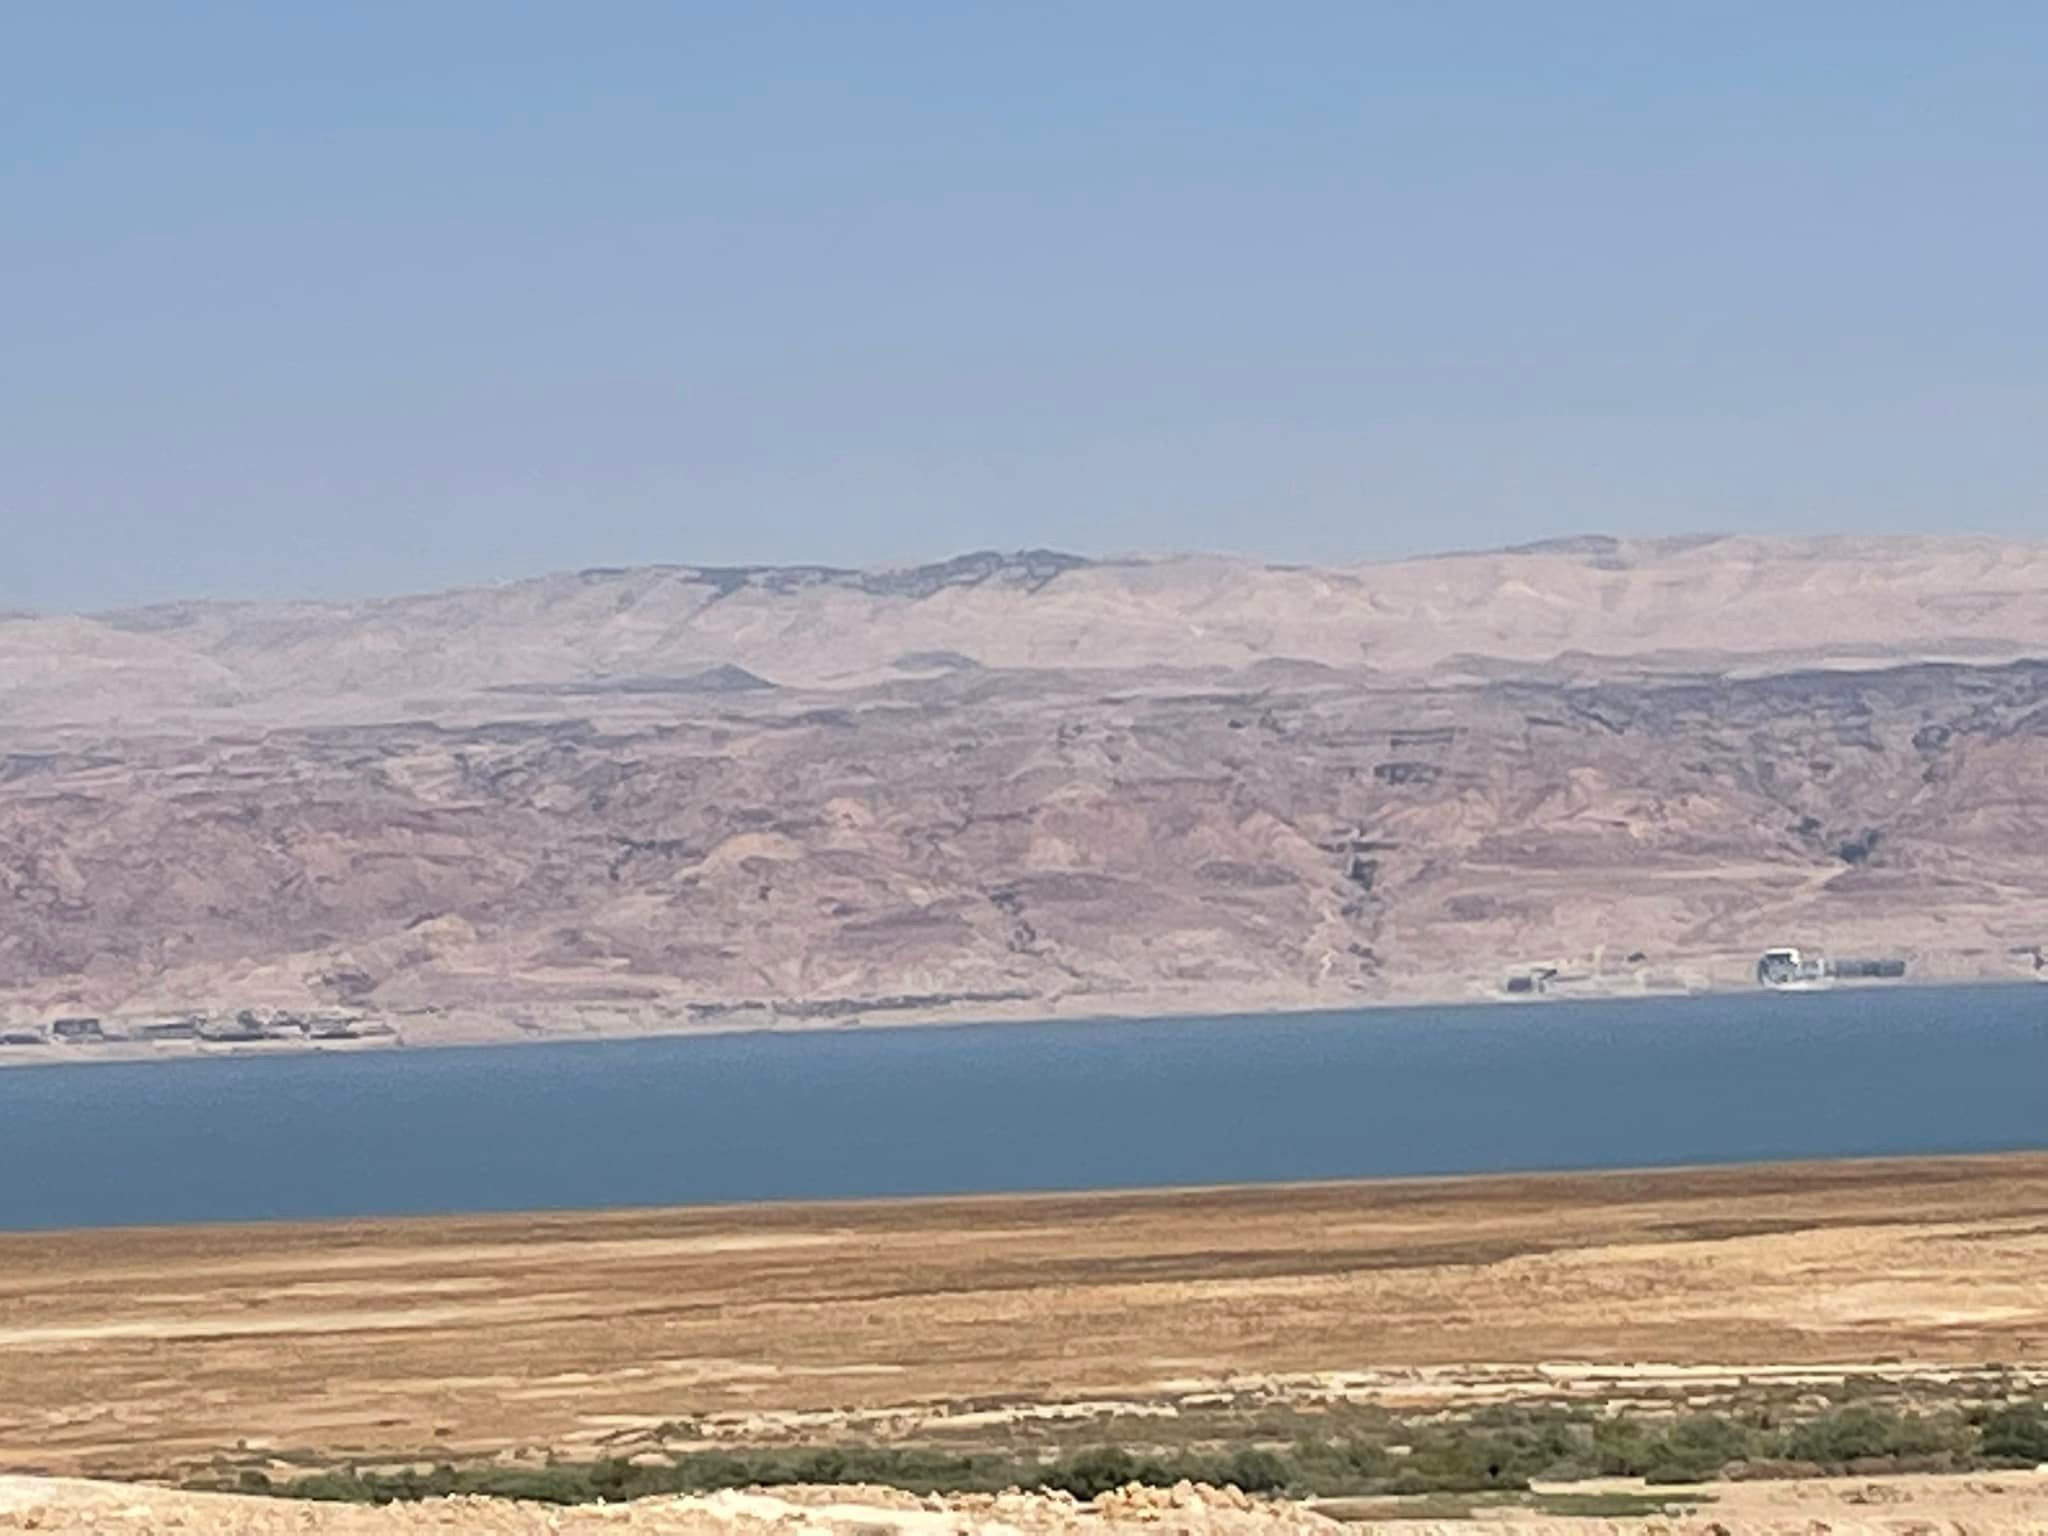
<point x="148" y="1352"/>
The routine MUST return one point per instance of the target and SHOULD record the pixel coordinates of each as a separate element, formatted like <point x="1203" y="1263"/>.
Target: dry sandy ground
<point x="135" y="1353"/>
<point x="2010" y="1504"/>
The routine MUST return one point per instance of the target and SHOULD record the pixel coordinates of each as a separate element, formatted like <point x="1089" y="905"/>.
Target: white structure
<point x="1790" y="970"/>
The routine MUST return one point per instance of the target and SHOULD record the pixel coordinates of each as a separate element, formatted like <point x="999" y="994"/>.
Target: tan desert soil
<point x="2013" y="1504"/>
<point x="140" y="1353"/>
<point x="674" y="799"/>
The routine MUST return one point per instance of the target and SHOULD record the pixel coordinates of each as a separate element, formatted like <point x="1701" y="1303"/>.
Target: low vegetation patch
<point x="1494" y="1454"/>
<point x="2016" y="1436"/>
<point x="1611" y="1506"/>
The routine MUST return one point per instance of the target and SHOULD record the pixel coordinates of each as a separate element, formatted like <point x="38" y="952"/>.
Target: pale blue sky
<point x="358" y="297"/>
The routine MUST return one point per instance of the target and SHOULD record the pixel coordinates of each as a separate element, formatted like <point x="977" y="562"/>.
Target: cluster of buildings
<point x="243" y="1026"/>
<point x="1795" y="970"/>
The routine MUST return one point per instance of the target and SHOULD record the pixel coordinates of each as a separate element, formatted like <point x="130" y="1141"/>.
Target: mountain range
<point x="1028" y="784"/>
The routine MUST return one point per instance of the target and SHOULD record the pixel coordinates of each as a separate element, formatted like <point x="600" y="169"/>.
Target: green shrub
<point x="1622" y="1448"/>
<point x="1460" y="1461"/>
<point x="1090" y="1474"/>
<point x="1695" y="1449"/>
<point x="1337" y="1467"/>
<point x="335" y="1487"/>
<point x="1865" y="1434"/>
<point x="2016" y="1436"/>
<point x="538" y="1485"/>
<point x="1255" y="1471"/>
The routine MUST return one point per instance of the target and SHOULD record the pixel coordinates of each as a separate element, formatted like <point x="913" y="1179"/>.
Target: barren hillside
<point x="1025" y="784"/>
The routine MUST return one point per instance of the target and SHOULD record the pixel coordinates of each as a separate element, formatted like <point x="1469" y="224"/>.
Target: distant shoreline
<point x="457" y="1029"/>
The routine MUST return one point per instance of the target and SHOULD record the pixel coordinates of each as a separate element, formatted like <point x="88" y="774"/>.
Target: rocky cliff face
<point x="1030" y="784"/>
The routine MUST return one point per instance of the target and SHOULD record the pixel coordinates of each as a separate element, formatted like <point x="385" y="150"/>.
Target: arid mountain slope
<point x="1689" y="604"/>
<point x="1028" y="785"/>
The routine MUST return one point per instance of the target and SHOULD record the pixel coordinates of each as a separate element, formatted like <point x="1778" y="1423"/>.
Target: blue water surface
<point x="876" y="1112"/>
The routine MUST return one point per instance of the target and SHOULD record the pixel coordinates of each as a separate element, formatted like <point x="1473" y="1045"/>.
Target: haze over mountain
<point x="1027" y="784"/>
<point x="1656" y="604"/>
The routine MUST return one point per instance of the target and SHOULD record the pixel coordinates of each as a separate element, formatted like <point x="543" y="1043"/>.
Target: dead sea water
<point x="1028" y="1106"/>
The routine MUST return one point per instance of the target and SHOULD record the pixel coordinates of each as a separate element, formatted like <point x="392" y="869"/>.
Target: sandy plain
<point x="1018" y="1321"/>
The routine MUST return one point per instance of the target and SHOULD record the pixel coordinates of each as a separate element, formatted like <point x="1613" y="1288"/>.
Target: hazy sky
<point x="312" y="299"/>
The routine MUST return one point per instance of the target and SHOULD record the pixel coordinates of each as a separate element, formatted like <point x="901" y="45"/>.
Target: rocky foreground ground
<point x="2014" y="1504"/>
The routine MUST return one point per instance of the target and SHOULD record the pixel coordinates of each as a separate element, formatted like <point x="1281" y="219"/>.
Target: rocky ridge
<point x="1022" y="785"/>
